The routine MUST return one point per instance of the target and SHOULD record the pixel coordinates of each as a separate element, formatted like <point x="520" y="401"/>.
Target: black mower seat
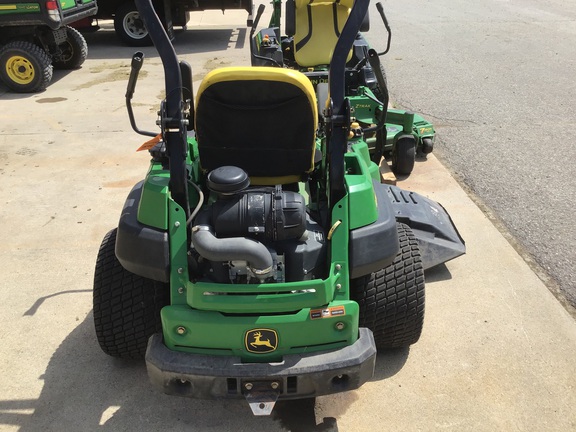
<point x="261" y="119"/>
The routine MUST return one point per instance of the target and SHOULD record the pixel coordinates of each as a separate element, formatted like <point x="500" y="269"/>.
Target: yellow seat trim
<point x="290" y="76"/>
<point x="262" y="73"/>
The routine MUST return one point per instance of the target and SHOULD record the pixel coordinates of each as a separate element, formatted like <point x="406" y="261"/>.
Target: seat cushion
<point x="318" y="26"/>
<point x="262" y="120"/>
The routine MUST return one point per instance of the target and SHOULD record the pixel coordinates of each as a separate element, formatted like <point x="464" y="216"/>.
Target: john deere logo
<point x="261" y="341"/>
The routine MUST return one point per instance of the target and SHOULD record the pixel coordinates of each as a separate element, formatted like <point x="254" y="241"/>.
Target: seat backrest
<point x="317" y="25"/>
<point x="261" y="119"/>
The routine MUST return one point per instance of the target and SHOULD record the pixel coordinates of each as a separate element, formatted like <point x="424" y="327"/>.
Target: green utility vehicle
<point x="260" y="257"/>
<point x="35" y="37"/>
<point x="312" y="29"/>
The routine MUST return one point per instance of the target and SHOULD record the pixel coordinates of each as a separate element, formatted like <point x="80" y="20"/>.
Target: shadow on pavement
<point x="438" y="273"/>
<point x="85" y="390"/>
<point x="104" y="44"/>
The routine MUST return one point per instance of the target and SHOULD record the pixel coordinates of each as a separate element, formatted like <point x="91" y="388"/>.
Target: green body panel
<point x="261" y="298"/>
<point x="339" y="235"/>
<point x="153" y="209"/>
<point x="364" y="107"/>
<point x="67" y="4"/>
<point x="179" y="279"/>
<point x="360" y="147"/>
<point x="399" y="121"/>
<point x="210" y="332"/>
<point x="424" y="128"/>
<point x="361" y="191"/>
<point x="14" y="8"/>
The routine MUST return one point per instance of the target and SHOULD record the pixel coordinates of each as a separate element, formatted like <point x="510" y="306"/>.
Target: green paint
<point x="210" y="332"/>
<point x="153" y="209"/>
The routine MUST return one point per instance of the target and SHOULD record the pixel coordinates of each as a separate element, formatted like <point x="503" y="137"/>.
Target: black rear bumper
<point x="297" y="376"/>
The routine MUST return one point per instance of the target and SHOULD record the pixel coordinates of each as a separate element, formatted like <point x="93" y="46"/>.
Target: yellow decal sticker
<point x="261" y="341"/>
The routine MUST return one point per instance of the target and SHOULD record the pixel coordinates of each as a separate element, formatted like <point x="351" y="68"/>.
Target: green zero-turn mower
<point x="312" y="29"/>
<point x="260" y="257"/>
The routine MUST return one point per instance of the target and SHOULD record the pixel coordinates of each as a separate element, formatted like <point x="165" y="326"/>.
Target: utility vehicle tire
<point x="129" y="26"/>
<point x="404" y="155"/>
<point x="391" y="300"/>
<point x="74" y="50"/>
<point x="25" y="67"/>
<point x="126" y="306"/>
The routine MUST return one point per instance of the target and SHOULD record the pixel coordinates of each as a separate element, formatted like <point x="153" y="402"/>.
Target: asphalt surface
<point x="497" y="80"/>
<point x="497" y="351"/>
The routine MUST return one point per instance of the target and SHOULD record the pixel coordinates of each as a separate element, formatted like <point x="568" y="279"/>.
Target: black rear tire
<point x="25" y="67"/>
<point x="126" y="306"/>
<point x="74" y="50"/>
<point x="129" y="26"/>
<point x="391" y="300"/>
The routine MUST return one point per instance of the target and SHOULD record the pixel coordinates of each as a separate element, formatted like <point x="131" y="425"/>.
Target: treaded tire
<point x="391" y="300"/>
<point x="75" y="50"/>
<point x="404" y="155"/>
<point x="126" y="306"/>
<point x="25" y="67"/>
<point x="129" y="26"/>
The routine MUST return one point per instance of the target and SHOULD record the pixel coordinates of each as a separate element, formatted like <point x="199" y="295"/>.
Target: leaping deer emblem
<point x="259" y="342"/>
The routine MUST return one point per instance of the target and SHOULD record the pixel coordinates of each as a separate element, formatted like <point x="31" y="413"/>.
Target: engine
<point x="255" y="234"/>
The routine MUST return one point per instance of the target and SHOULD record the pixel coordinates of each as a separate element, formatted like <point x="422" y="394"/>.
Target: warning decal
<point x="328" y="312"/>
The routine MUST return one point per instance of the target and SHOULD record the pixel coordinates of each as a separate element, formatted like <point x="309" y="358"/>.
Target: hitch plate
<point x="262" y="395"/>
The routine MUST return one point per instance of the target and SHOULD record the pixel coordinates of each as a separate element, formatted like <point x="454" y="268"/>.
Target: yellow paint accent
<point x="261" y="73"/>
<point x="20" y="70"/>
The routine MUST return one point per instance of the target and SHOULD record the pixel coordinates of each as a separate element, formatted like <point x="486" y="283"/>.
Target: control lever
<point x="388" y="29"/>
<point x="259" y="13"/>
<point x="374" y="60"/>
<point x="135" y="66"/>
<point x="253" y="53"/>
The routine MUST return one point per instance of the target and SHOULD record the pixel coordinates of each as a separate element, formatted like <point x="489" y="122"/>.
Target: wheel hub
<point x="66" y="52"/>
<point x="20" y="70"/>
<point x="134" y="26"/>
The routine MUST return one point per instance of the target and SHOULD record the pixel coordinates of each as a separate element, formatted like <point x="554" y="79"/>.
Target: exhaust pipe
<point x="229" y="249"/>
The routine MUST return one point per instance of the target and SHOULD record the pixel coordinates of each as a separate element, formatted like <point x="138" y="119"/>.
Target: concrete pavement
<point x="497" y="352"/>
